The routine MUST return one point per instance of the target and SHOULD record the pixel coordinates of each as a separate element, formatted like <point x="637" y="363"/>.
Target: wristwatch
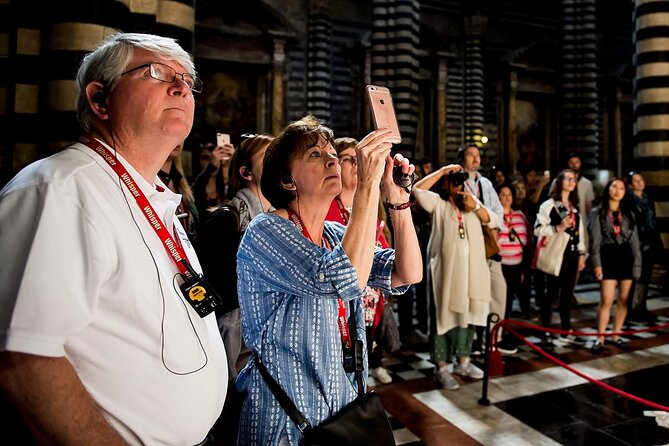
<point x="478" y="206"/>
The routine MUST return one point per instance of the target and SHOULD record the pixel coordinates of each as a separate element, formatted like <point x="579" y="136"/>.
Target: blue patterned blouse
<point x="288" y="289"/>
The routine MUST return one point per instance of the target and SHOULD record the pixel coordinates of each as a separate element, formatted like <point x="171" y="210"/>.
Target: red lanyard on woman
<point x="342" y="211"/>
<point x="341" y="317"/>
<point x="461" y="224"/>
<point x="572" y="215"/>
<point x="616" y="222"/>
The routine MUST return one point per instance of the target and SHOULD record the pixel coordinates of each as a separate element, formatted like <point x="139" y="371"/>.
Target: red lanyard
<point x="173" y="248"/>
<point x="572" y="216"/>
<point x="616" y="222"/>
<point x="341" y="316"/>
<point x="342" y="211"/>
<point x="461" y="224"/>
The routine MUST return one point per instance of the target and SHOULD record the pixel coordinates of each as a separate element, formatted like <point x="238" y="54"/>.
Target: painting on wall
<point x="227" y="104"/>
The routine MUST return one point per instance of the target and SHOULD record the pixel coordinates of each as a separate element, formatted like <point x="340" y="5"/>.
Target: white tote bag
<point x="549" y="253"/>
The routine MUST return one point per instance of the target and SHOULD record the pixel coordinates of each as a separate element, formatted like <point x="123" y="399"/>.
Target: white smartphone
<point x="383" y="111"/>
<point x="222" y="138"/>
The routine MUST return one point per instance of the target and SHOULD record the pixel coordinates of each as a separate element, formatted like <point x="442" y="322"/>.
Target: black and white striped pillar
<point x="579" y="108"/>
<point x="176" y="19"/>
<point x="473" y="79"/>
<point x="71" y="35"/>
<point x="319" y="61"/>
<point x="651" y="103"/>
<point x="395" y="63"/>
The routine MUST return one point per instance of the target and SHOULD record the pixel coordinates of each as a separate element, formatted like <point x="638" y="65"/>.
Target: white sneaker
<point x="468" y="369"/>
<point x="381" y="375"/>
<point x="445" y="379"/>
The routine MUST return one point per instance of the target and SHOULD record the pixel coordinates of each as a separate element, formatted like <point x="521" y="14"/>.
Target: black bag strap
<point x="284" y="400"/>
<point x="282" y="397"/>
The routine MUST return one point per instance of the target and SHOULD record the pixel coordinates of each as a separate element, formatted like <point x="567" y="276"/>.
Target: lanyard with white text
<point x="173" y="248"/>
<point x="341" y="319"/>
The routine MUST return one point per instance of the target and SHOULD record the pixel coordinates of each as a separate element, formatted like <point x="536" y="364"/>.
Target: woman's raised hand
<point x="371" y="153"/>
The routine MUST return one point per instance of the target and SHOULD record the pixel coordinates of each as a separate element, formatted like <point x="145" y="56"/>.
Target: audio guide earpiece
<point x="100" y="97"/>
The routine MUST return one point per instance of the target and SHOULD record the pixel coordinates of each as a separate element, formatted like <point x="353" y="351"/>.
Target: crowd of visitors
<point x="267" y="260"/>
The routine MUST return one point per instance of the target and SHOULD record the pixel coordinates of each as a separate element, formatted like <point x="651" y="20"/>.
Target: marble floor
<point x="536" y="402"/>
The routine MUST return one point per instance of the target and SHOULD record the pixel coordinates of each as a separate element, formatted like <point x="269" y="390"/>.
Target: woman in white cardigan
<point x="557" y="214"/>
<point x="458" y="274"/>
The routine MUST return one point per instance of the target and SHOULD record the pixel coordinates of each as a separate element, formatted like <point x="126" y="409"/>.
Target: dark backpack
<point x="217" y="243"/>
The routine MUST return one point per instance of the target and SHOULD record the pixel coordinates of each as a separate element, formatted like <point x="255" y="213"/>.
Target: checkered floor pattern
<point x="412" y="362"/>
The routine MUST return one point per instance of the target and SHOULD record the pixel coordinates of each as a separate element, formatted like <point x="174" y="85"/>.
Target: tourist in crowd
<point x="651" y="247"/>
<point x="103" y="344"/>
<point x="211" y="184"/>
<point x="514" y="247"/>
<point x="616" y="256"/>
<point x="173" y="176"/>
<point x="457" y="271"/>
<point x="557" y="214"/>
<point x="380" y="325"/>
<point x="300" y="276"/>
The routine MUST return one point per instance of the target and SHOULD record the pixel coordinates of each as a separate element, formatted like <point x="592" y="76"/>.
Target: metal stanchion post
<point x="492" y="319"/>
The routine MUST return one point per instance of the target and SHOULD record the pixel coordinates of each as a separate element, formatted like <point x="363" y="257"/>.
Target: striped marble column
<point x="142" y="16"/>
<point x="6" y="140"/>
<point x="395" y="64"/>
<point x="319" y="60"/>
<point x="579" y="120"/>
<point x="71" y="36"/>
<point x="474" y="81"/>
<point x="21" y="86"/>
<point x="651" y="103"/>
<point x="176" y="19"/>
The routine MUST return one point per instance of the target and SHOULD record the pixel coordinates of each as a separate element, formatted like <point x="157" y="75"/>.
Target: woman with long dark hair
<point x="557" y="214"/>
<point x="616" y="256"/>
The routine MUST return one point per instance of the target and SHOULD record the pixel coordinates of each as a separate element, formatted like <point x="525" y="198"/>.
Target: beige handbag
<point x="549" y="253"/>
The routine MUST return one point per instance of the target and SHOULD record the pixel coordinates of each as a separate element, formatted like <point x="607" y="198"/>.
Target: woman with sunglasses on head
<point x="300" y="277"/>
<point x="560" y="214"/>
<point x="382" y="332"/>
<point x="616" y="256"/>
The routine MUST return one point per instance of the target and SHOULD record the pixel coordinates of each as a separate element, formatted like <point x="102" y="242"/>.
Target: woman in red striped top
<point x="513" y="241"/>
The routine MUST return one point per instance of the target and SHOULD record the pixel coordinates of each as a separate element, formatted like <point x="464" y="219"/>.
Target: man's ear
<point x="97" y="99"/>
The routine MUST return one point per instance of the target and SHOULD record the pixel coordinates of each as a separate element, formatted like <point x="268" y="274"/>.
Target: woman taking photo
<point x="558" y="214"/>
<point x="299" y="274"/>
<point x="616" y="256"/>
<point x="458" y="273"/>
<point x="382" y="332"/>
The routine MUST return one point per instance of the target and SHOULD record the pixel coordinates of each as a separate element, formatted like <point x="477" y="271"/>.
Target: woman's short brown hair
<point x="296" y="138"/>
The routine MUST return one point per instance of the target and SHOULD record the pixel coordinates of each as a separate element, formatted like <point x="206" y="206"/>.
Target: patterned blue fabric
<point x="288" y="289"/>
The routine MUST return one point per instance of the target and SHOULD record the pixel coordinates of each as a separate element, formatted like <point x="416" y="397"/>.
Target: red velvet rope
<point x="557" y="361"/>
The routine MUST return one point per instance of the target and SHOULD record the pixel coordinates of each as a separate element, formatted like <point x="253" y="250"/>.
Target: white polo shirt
<point x="86" y="277"/>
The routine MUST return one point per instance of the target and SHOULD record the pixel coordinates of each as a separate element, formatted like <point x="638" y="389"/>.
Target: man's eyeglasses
<point x="165" y="73"/>
<point x="348" y="159"/>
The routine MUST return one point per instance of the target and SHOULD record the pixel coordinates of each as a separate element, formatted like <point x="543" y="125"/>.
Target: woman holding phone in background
<point x="557" y="214"/>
